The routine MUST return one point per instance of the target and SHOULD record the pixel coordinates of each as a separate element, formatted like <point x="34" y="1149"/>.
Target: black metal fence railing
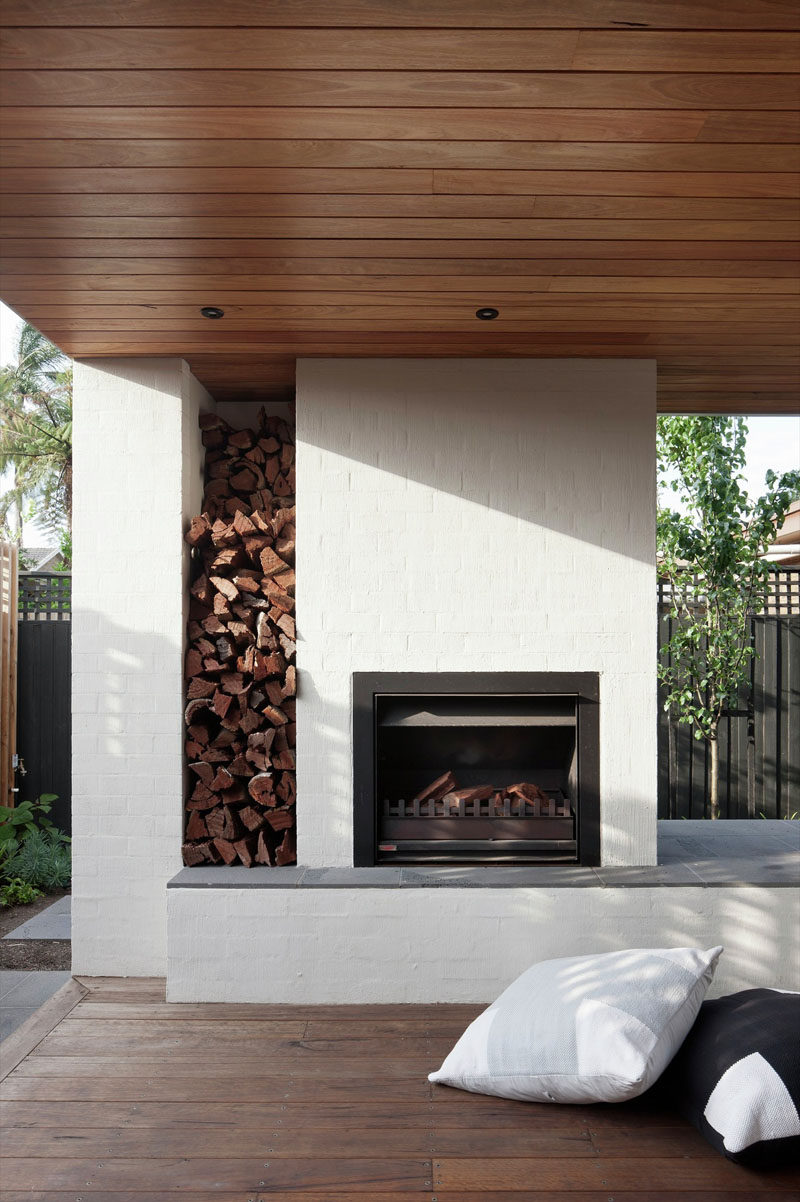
<point x="45" y="596"/>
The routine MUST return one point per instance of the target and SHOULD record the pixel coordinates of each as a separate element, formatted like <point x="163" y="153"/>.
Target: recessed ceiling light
<point x="487" y="314"/>
<point x="212" y="311"/>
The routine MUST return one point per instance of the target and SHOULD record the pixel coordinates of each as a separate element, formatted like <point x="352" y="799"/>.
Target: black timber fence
<point x="44" y="721"/>
<point x="759" y="740"/>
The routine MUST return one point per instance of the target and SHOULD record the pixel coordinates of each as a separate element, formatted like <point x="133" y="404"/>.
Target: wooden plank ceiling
<point x="616" y="177"/>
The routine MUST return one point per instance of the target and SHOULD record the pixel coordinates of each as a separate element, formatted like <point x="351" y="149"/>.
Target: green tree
<point x="36" y="434"/>
<point x="710" y="552"/>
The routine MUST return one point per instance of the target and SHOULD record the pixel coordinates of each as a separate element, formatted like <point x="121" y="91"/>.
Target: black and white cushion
<point x="737" y="1076"/>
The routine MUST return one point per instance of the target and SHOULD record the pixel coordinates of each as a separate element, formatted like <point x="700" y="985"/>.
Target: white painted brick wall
<point x="476" y="515"/>
<point x="138" y="478"/>
<point x="456" y="945"/>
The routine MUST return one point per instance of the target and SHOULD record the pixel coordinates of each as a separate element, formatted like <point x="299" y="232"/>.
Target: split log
<point x="197" y="853"/>
<point x="475" y="794"/>
<point x="223" y="823"/>
<point x="194" y="663"/>
<point x="290" y="681"/>
<point x="222" y="781"/>
<point x="202" y="799"/>
<point x="286" y="853"/>
<point x="527" y="791"/>
<point x="287" y="646"/>
<point x="204" y="772"/>
<point x="271" y="563"/>
<point x="280" y="820"/>
<point x="285" y="623"/>
<point x="261" y="788"/>
<point x="252" y="818"/>
<point x="226" y="850"/>
<point x="196" y="827"/>
<point x="246" y="849"/>
<point x="198" y="687"/>
<point x="250" y="721"/>
<point x="232" y="682"/>
<point x="240" y="767"/>
<point x="275" y="715"/>
<point x="437" y="789"/>
<point x="199" y="531"/>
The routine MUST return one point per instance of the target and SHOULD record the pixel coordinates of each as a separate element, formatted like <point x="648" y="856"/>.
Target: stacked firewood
<point x="240" y="658"/>
<point x="445" y="789"/>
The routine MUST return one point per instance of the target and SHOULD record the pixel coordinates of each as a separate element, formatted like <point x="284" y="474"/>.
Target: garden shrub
<point x="43" y="860"/>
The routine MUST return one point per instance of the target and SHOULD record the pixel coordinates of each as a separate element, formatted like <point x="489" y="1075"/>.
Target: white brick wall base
<point x="455" y="945"/>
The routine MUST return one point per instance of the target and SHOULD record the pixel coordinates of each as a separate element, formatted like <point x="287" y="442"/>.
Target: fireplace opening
<point x="476" y="768"/>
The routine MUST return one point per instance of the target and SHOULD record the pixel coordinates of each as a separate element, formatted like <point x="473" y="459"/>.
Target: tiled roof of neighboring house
<point x="41" y="558"/>
<point x="789" y="537"/>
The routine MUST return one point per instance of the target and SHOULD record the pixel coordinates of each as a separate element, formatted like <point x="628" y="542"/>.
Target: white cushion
<point x="583" y="1029"/>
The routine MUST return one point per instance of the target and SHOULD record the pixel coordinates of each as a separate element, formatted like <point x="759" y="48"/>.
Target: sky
<point x="773" y="442"/>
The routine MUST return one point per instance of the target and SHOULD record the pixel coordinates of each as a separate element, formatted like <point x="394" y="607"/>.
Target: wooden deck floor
<point x="129" y="1098"/>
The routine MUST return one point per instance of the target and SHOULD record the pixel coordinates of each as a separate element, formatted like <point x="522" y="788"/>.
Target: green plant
<point x="711" y="551"/>
<point x="17" y="822"/>
<point x="18" y="893"/>
<point x="786" y="817"/>
<point x="43" y="860"/>
<point x="65" y="547"/>
<point x="36" y="435"/>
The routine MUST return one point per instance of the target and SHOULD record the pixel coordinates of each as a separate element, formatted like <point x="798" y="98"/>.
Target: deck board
<point x="130" y="1097"/>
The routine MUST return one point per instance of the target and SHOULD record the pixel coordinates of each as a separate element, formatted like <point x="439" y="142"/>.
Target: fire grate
<point x="553" y="805"/>
<point x="490" y="828"/>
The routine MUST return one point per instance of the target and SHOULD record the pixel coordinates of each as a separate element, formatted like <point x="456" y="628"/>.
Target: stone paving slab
<point x="53" y="923"/>
<point x="12" y="1017"/>
<point x="22" y="993"/>
<point x="9" y="979"/>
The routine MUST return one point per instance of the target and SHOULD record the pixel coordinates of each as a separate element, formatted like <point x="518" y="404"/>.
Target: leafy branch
<point x="711" y="552"/>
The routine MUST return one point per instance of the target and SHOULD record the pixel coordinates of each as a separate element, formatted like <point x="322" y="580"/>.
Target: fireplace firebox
<point x="469" y="767"/>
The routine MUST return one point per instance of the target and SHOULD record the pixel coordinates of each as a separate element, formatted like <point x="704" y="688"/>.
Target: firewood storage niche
<point x="476" y="768"/>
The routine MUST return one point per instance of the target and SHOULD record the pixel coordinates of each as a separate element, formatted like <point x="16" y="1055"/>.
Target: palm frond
<point x="36" y="430"/>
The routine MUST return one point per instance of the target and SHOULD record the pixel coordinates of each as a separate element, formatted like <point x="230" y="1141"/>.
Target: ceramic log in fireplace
<point x="476" y="768"/>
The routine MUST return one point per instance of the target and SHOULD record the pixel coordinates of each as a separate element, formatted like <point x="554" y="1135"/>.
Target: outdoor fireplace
<point x="476" y="768"/>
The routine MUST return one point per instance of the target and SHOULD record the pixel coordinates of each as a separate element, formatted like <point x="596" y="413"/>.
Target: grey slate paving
<point x="9" y="979"/>
<point x="782" y="868"/>
<point x="237" y="877"/>
<point x="676" y="873"/>
<point x="53" y="923"/>
<point x="383" y="876"/>
<point x="12" y="1017"/>
<point x="34" y="988"/>
<point x="22" y="993"/>
<point x="512" y="876"/>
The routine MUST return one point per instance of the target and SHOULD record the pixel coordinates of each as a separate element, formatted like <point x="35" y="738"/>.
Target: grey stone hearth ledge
<point x="705" y="854"/>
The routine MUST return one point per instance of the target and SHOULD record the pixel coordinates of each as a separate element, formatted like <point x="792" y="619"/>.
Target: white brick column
<point x="138" y="478"/>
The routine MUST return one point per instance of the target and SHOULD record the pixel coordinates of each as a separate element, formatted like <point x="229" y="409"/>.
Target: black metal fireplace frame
<point x="584" y="686"/>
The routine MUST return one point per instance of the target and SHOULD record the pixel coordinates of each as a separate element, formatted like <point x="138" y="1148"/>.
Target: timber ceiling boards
<point x="617" y="177"/>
